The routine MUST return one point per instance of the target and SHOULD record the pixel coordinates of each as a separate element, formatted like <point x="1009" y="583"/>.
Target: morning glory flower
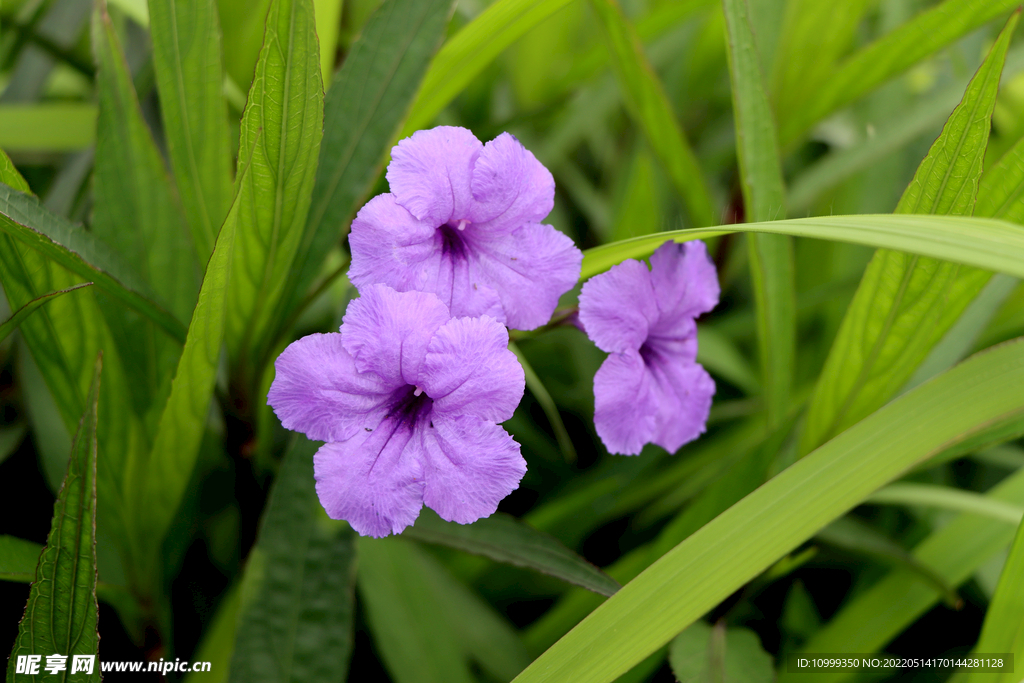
<point x="462" y="220"/>
<point x="408" y="400"/>
<point x="650" y="389"/>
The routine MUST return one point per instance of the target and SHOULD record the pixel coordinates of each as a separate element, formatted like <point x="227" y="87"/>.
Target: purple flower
<point x="463" y="221"/>
<point x="650" y="389"/>
<point x="408" y="400"/>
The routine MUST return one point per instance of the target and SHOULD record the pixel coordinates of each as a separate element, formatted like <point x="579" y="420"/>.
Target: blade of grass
<point x="1003" y="630"/>
<point x="12" y="323"/>
<point x="776" y="518"/>
<point x="49" y="127"/>
<point x="547" y="404"/>
<point x="946" y="498"/>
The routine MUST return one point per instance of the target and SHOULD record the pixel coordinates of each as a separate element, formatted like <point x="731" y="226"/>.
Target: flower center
<point x="452" y="238"/>
<point x="410" y="406"/>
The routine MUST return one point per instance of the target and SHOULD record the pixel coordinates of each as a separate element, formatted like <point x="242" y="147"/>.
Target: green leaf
<point x="11" y="437"/>
<point x="505" y="539"/>
<point x="905" y="304"/>
<point x="948" y="498"/>
<point x="1003" y="630"/>
<point x="12" y="323"/>
<point x="366" y="103"/>
<point x="297" y="604"/>
<point x="182" y="422"/>
<point x="893" y="53"/>
<point x="649" y="106"/>
<point x="547" y="404"/>
<point x="980" y="242"/>
<point x="764" y="197"/>
<point x="783" y="513"/>
<point x="218" y="643"/>
<point x="470" y="51"/>
<point x="50" y="127"/>
<point x="280" y="140"/>
<point x="78" y="250"/>
<point x="703" y="653"/>
<point x="1001" y="194"/>
<point x="879" y="613"/>
<point x="18" y="559"/>
<point x="719" y="356"/>
<point x="328" y="21"/>
<point x="61" y="614"/>
<point x="9" y="174"/>
<point x="190" y="79"/>
<point x="406" y="617"/>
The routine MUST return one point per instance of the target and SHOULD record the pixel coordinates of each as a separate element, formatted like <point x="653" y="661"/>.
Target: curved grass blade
<point x="61" y="614"/>
<point x="18" y="559"/>
<point x="1003" y="630"/>
<point x="764" y="199"/>
<point x="980" y="242"/>
<point x="880" y="613"/>
<point x="190" y="80"/>
<point x="182" y="423"/>
<point x="470" y="51"/>
<point x="25" y="220"/>
<point x="647" y="103"/>
<point x="367" y="100"/>
<point x="297" y="595"/>
<point x="279" y="142"/>
<point x="547" y="404"/>
<point x="905" y="304"/>
<point x="893" y="53"/>
<point x="505" y="539"/>
<point x="776" y="518"/>
<point x="947" y="498"/>
<point x="12" y="323"/>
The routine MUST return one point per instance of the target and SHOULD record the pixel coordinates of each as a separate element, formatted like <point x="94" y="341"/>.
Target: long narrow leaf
<point x="649" y="106"/>
<point x="1003" y="630"/>
<point x="506" y="539"/>
<point x="18" y="559"/>
<point x="190" y="79"/>
<point x="746" y="539"/>
<point x="61" y="614"/>
<point x="295" y="619"/>
<point x="12" y="323"/>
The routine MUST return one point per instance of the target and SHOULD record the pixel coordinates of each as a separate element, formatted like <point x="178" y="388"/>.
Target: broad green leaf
<point x="905" y="304"/>
<point x="648" y="104"/>
<point x="12" y="323"/>
<point x="79" y="251"/>
<point x="877" y="615"/>
<point x="18" y="559"/>
<point x="470" y="51"/>
<point x="979" y="242"/>
<point x="486" y="637"/>
<point x="49" y="127"/>
<point x="764" y="197"/>
<point x="61" y="614"/>
<point x="1003" y="630"/>
<point x="407" y="619"/>
<point x="703" y="654"/>
<point x="505" y="539"/>
<point x="366" y="102"/>
<point x="783" y="513"/>
<point x="814" y="35"/>
<point x="190" y="79"/>
<point x="280" y="140"/>
<point x="948" y="498"/>
<point x="536" y="386"/>
<point x="182" y="422"/>
<point x="893" y="53"/>
<point x="1001" y="193"/>
<point x="298" y="602"/>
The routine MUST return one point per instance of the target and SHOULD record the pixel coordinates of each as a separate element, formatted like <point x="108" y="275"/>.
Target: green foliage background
<point x="177" y="181"/>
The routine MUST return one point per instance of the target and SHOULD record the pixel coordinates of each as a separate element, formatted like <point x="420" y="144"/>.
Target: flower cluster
<point x="409" y="393"/>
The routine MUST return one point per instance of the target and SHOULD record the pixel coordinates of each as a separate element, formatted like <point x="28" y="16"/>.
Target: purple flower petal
<point x="682" y="392"/>
<point x="387" y="332"/>
<point x="530" y="269"/>
<point x="390" y="246"/>
<point x="430" y="173"/>
<point x="318" y="391"/>
<point x="470" y="371"/>
<point x="624" y="408"/>
<point x="373" y="480"/>
<point x="617" y="308"/>
<point x="469" y="466"/>
<point x="510" y="187"/>
<point x="685" y="283"/>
